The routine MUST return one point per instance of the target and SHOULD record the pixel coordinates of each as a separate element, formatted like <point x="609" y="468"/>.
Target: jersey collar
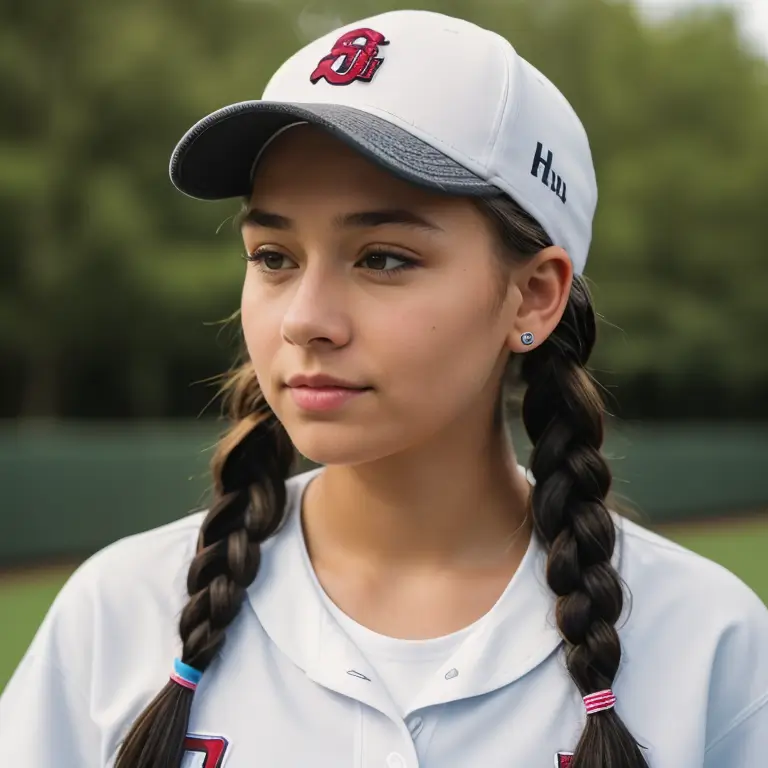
<point x="519" y="634"/>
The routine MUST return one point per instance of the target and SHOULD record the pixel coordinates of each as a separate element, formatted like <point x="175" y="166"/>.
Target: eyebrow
<point x="256" y="217"/>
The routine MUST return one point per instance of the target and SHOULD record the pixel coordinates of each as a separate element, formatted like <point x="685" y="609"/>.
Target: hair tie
<point x="597" y="702"/>
<point x="184" y="675"/>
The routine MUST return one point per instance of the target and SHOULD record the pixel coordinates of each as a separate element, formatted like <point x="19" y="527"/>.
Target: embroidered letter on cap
<point x="359" y="49"/>
<point x="557" y="185"/>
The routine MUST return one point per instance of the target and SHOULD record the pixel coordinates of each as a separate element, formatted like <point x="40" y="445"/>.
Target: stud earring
<point x="527" y="339"/>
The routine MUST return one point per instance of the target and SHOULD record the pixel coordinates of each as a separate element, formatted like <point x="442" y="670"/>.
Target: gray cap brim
<point x="214" y="159"/>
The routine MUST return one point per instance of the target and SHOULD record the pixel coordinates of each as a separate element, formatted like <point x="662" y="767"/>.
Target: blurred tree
<point x="106" y="264"/>
<point x="110" y="278"/>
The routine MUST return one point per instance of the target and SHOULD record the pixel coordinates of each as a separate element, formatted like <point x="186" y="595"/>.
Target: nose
<point x="316" y="311"/>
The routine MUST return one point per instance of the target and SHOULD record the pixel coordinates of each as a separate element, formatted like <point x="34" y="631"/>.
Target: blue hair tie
<point x="184" y="675"/>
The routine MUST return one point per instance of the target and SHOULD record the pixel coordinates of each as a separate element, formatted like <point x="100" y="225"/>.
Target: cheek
<point x="434" y="361"/>
<point x="248" y="313"/>
<point x="453" y="321"/>
<point x="442" y="348"/>
<point x="261" y="331"/>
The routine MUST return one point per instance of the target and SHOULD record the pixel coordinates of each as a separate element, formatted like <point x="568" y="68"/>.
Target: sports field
<point x="742" y="547"/>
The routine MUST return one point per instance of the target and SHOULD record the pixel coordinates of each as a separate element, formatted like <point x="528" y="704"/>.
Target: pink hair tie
<point x="597" y="702"/>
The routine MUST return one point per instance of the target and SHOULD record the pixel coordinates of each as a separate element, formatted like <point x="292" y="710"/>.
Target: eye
<point x="379" y="258"/>
<point x="266" y="259"/>
<point x="380" y="261"/>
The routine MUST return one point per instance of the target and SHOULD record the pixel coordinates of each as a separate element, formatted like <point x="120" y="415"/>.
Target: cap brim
<point x="214" y="159"/>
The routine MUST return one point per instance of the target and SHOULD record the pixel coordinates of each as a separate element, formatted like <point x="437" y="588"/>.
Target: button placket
<point x="387" y="741"/>
<point x="395" y="760"/>
<point x="415" y="726"/>
<point x="421" y="728"/>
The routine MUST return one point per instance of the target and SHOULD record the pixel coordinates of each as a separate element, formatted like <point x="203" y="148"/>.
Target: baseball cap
<point x="436" y="100"/>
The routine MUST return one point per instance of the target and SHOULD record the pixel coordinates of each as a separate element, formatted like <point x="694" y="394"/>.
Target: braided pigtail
<point x="250" y="467"/>
<point x="563" y="415"/>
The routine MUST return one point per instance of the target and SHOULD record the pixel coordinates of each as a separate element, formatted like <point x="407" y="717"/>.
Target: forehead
<point x="306" y="162"/>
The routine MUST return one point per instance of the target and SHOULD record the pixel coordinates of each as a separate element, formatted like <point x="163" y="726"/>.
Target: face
<point x="360" y="276"/>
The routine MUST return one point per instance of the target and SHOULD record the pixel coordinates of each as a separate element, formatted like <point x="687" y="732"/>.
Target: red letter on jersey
<point x="212" y="749"/>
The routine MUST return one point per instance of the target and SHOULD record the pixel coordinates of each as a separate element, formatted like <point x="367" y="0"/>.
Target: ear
<point x="543" y="284"/>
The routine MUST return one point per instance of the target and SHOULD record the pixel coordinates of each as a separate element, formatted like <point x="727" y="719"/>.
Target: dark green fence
<point x="69" y="489"/>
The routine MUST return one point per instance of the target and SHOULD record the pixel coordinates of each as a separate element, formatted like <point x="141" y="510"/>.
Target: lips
<point x="324" y="398"/>
<point x="332" y="388"/>
<point x="322" y="381"/>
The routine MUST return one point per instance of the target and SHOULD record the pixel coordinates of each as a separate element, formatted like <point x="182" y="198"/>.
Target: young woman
<point x="418" y="211"/>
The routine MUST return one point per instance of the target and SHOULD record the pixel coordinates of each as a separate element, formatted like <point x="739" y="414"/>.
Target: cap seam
<point x="492" y="167"/>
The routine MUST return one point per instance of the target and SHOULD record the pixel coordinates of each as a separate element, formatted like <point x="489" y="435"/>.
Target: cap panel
<point x="542" y="159"/>
<point x="426" y="80"/>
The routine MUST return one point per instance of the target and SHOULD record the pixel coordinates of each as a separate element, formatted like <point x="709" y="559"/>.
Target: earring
<point x="527" y="339"/>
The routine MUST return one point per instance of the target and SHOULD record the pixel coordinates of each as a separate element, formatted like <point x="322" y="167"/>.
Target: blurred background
<point x="113" y="286"/>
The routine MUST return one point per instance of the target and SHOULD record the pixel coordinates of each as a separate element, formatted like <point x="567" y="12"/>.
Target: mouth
<point x="328" y="387"/>
<point x="322" y="381"/>
<point x="325" y="398"/>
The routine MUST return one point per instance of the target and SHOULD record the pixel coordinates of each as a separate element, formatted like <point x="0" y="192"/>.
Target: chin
<point x="329" y="443"/>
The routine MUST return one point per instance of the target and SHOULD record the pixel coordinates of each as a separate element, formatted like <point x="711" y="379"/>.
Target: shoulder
<point x="136" y="584"/>
<point x="109" y="635"/>
<point x="690" y="620"/>
<point x="138" y="579"/>
<point x="670" y="576"/>
<point x="152" y="562"/>
<point x="107" y="641"/>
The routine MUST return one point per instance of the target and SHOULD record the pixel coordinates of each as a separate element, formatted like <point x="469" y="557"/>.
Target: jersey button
<point x="415" y="724"/>
<point x="394" y="760"/>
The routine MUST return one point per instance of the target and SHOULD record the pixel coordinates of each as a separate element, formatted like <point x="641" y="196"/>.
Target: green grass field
<point x="741" y="547"/>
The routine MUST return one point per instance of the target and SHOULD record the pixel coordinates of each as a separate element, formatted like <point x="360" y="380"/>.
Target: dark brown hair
<point x="563" y="415"/>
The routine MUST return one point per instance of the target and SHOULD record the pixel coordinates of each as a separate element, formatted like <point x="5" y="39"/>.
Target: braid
<point x="562" y="413"/>
<point x="250" y="467"/>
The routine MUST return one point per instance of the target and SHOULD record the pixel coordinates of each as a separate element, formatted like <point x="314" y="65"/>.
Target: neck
<point x="455" y="501"/>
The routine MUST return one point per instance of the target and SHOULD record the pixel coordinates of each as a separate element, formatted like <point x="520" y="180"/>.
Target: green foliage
<point x="106" y="265"/>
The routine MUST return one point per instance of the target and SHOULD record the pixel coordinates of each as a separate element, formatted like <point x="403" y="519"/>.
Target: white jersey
<point x="292" y="689"/>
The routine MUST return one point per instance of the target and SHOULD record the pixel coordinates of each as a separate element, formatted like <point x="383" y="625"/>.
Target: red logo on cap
<point x="360" y="49"/>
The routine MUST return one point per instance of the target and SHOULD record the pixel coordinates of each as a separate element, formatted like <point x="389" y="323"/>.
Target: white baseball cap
<point x="435" y="100"/>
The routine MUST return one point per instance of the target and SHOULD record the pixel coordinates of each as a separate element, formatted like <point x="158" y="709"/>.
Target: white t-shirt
<point x="403" y="666"/>
<point x="291" y="688"/>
